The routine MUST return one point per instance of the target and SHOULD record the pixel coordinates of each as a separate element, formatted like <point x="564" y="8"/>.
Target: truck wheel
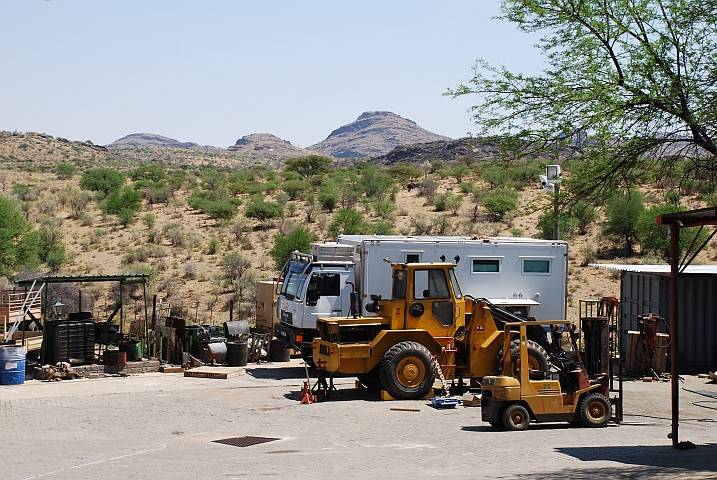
<point x="537" y="357"/>
<point x="370" y="379"/>
<point x="595" y="410"/>
<point x="406" y="371"/>
<point x="516" y="417"/>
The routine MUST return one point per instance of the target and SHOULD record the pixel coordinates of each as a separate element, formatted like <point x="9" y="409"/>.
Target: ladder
<point x="26" y="306"/>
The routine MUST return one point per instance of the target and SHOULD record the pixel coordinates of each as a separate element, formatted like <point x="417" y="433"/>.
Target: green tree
<point x="150" y="172"/>
<point x="103" y="180"/>
<point x="299" y="239"/>
<point x="18" y="245"/>
<point x="632" y="77"/>
<point x="63" y="170"/>
<point x="308" y="166"/>
<point x="568" y="224"/>
<point x="622" y="210"/>
<point x="654" y="237"/>
<point x="294" y="188"/>
<point x="348" y="222"/>
<point x="500" y="201"/>
<point x="460" y="171"/>
<point x="118" y="201"/>
<point x="328" y="195"/>
<point x="264" y="211"/>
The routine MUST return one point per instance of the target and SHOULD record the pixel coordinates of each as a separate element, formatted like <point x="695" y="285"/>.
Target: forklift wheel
<point x="516" y="417"/>
<point x="595" y="410"/>
<point x="498" y="425"/>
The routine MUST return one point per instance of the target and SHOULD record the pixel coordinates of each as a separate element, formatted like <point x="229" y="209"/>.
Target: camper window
<point x="536" y="266"/>
<point x="485" y="265"/>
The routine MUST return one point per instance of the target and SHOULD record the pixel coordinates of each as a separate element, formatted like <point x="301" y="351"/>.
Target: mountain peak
<point x="373" y="134"/>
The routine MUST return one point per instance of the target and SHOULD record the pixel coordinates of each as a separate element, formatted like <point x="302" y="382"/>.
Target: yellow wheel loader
<point x="518" y="396"/>
<point x="426" y="322"/>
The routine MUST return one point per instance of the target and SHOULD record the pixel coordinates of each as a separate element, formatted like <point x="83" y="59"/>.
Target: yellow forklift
<point x="521" y="395"/>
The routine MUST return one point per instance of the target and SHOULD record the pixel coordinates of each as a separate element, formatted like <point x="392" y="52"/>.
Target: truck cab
<point x="311" y="288"/>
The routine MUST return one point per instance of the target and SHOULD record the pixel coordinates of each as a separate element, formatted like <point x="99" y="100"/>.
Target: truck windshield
<point x="295" y="278"/>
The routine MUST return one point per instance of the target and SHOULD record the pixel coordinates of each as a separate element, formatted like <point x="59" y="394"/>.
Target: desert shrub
<point x="442" y="224"/>
<point x="500" y="201"/>
<point x="64" y="170"/>
<point x="348" y="222"/>
<point x="382" y="227"/>
<point x="24" y="193"/>
<point x="328" y="195"/>
<point x="213" y="244"/>
<point x="294" y="188"/>
<point x="568" y="224"/>
<point x="385" y="210"/>
<point x="623" y="210"/>
<point x="174" y="233"/>
<point x="420" y="225"/>
<point x="653" y="238"/>
<point x="150" y="172"/>
<point x="103" y="180"/>
<point x="299" y="239"/>
<point x="190" y="269"/>
<point x="264" y="211"/>
<point x="149" y="220"/>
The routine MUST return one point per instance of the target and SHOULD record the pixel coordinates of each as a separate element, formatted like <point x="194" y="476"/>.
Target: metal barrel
<point x="237" y="353"/>
<point x="278" y="352"/>
<point x="12" y="364"/>
<point x="214" y="352"/>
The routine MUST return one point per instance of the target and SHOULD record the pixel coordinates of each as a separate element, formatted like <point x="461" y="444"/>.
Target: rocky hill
<point x="373" y="134"/>
<point x="265" y="145"/>
<point x="445" y="150"/>
<point x="151" y="140"/>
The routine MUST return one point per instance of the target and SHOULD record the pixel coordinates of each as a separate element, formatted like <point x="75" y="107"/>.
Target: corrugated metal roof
<point x="706" y="269"/>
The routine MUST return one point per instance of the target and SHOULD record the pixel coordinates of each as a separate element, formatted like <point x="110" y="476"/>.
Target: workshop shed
<point x="646" y="289"/>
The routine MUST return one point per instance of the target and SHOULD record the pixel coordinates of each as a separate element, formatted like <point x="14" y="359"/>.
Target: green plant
<point x="298" y="239"/>
<point x="500" y="201"/>
<point x="103" y="180"/>
<point x="264" y="211"/>
<point x="622" y="210"/>
<point x="348" y="222"/>
<point x="149" y="220"/>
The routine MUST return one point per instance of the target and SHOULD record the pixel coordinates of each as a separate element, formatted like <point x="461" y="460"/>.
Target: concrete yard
<point x="162" y="425"/>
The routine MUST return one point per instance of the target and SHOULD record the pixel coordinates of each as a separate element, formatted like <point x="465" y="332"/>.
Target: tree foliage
<point x="18" y="245"/>
<point x="104" y="180"/>
<point x="308" y="166"/>
<point x="627" y="83"/>
<point x="623" y="210"/>
<point x="500" y="201"/>
<point x="299" y="239"/>
<point x="653" y="237"/>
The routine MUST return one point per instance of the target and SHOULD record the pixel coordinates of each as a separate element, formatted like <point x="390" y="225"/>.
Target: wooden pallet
<point x="214" y="372"/>
<point x="659" y="360"/>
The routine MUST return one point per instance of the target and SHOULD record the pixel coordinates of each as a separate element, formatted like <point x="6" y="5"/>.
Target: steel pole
<point x="674" y="380"/>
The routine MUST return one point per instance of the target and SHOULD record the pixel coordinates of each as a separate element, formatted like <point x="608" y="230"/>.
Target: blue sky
<point x="212" y="71"/>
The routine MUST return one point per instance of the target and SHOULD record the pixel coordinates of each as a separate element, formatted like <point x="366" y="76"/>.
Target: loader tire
<point x="516" y="417"/>
<point x="406" y="371"/>
<point x="595" y="410"/>
<point x="537" y="357"/>
<point x="370" y="379"/>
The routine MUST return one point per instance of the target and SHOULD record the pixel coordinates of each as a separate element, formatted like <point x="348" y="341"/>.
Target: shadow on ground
<point x="286" y="373"/>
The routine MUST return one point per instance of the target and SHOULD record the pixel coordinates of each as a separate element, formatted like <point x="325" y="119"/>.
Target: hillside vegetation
<point x="207" y="225"/>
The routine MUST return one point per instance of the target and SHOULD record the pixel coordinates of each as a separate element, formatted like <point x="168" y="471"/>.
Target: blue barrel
<point x="12" y="365"/>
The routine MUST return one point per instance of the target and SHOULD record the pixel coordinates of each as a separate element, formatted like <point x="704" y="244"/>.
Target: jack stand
<point x="325" y="390"/>
<point x="306" y="397"/>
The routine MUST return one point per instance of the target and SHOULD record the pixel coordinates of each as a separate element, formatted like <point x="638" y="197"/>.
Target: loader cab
<point x="431" y="295"/>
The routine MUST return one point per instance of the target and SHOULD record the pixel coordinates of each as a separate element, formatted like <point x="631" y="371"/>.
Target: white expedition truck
<point x="524" y="276"/>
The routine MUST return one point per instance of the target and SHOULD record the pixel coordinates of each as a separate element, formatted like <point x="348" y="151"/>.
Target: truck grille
<point x="287" y="317"/>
